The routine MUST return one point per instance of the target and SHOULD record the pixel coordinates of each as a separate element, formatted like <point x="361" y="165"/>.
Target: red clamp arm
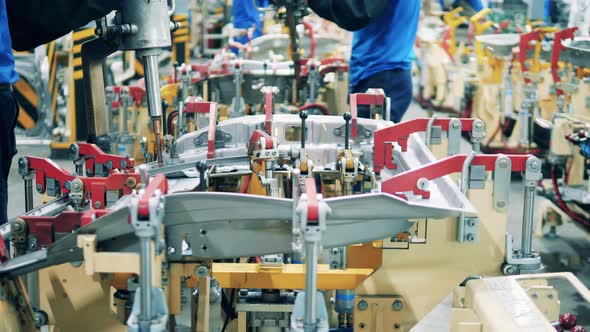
<point x="268" y="110"/>
<point x="89" y="216"/>
<point x="95" y="187"/>
<point x="45" y="168"/>
<point x="524" y="45"/>
<point x="93" y="154"/>
<point x="312" y="201"/>
<point x="194" y="106"/>
<point x="98" y="187"/>
<point x="362" y="99"/>
<point x="3" y="252"/>
<point x="408" y="181"/>
<point x="558" y="38"/>
<point x="399" y="133"/>
<point x="212" y="130"/>
<point x="157" y="183"/>
<point x="255" y="139"/>
<point x="44" y="228"/>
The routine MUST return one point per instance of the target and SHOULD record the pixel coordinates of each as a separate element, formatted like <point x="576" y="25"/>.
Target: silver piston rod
<point x="150" y="28"/>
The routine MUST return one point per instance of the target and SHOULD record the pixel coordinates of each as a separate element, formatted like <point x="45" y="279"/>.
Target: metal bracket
<point x="454" y="137"/>
<point x="470" y="229"/>
<point x="338" y="258"/>
<point x="502" y="176"/>
<point x="361" y="131"/>
<point x="477" y="176"/>
<point x="478" y="132"/>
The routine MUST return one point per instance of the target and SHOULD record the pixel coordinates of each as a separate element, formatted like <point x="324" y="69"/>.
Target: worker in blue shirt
<point x="25" y="24"/>
<point x="246" y="16"/>
<point x="8" y="109"/>
<point x="470" y="7"/>
<point x="382" y="46"/>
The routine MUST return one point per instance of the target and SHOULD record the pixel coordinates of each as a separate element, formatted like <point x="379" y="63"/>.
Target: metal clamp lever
<point x="312" y="214"/>
<point x="400" y="132"/>
<point x="97" y="162"/>
<point x="147" y="215"/>
<point x="413" y="180"/>
<point x="372" y="98"/>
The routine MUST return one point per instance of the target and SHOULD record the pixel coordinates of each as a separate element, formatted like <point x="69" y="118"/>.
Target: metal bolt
<point x="97" y="204"/>
<point x="204" y="247"/>
<point x="503" y="163"/>
<point x="33" y="245"/>
<point x="68" y="185"/>
<point x="334" y="265"/>
<point x="396" y="326"/>
<point x="478" y="125"/>
<point x="109" y="164"/>
<point x="39" y="187"/>
<point x="398" y="305"/>
<point x="362" y="325"/>
<point x="76" y="185"/>
<point x="335" y="251"/>
<point x="422" y="183"/>
<point x="455" y="124"/>
<point x="550" y="296"/>
<point x="337" y="132"/>
<point x="470" y="222"/>
<point x="362" y="305"/>
<point x="367" y="133"/>
<point x="88" y="172"/>
<point x="201" y="271"/>
<point x="535" y="296"/>
<point x="123" y="163"/>
<point x="171" y="250"/>
<point x="535" y="165"/>
<point x="501" y="203"/>
<point x="203" y="232"/>
<point x="470" y="237"/>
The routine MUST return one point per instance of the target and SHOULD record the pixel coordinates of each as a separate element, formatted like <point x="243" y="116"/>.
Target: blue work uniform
<point x="477" y="5"/>
<point x="8" y="110"/>
<point x="382" y="54"/>
<point x="246" y="16"/>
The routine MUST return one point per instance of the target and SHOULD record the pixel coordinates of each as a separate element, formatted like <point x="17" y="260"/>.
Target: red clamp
<point x="268" y="92"/>
<point x="157" y="183"/>
<point x="192" y="105"/>
<point x="408" y="181"/>
<point x="524" y="45"/>
<point x="399" y="133"/>
<point x="44" y="228"/>
<point x="137" y="93"/>
<point x="94" y="187"/>
<point x="89" y="216"/>
<point x="255" y="141"/>
<point x="362" y="99"/>
<point x="93" y="155"/>
<point x="3" y="252"/>
<point x="558" y="38"/>
<point x="313" y="213"/>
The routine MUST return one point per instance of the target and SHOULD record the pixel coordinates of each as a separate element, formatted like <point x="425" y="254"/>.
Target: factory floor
<point x="569" y="251"/>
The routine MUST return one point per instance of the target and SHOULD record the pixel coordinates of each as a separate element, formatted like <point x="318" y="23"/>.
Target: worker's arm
<point x="350" y="15"/>
<point x="36" y="22"/>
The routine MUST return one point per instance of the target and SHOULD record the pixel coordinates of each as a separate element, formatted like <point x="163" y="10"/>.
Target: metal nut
<point x="39" y="187"/>
<point x="501" y="203"/>
<point x="398" y="305"/>
<point x="201" y="271"/>
<point x="171" y="250"/>
<point x="362" y="305"/>
<point x="97" y="204"/>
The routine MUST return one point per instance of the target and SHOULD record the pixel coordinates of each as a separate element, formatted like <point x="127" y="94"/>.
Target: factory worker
<point x="382" y="46"/>
<point x="470" y="7"/>
<point x="25" y="24"/>
<point x="246" y="16"/>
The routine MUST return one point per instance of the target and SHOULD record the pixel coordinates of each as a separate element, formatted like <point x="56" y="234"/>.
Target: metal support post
<point x="532" y="175"/>
<point x="311" y="284"/>
<point x="464" y="186"/>
<point x="152" y="89"/>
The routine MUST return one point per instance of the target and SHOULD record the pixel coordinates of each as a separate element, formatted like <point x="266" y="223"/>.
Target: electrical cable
<point x="575" y="216"/>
